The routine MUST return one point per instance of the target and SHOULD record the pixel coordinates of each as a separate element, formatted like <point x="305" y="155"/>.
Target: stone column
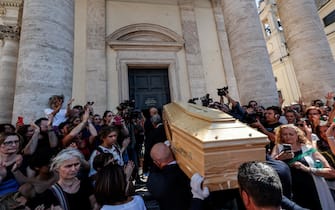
<point x="96" y="89"/>
<point x="308" y="47"/>
<point x="45" y="56"/>
<point x="250" y="57"/>
<point x="225" y="51"/>
<point x="9" y="45"/>
<point x="192" y="49"/>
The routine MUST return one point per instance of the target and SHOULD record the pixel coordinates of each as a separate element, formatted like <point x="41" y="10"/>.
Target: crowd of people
<point x="74" y="158"/>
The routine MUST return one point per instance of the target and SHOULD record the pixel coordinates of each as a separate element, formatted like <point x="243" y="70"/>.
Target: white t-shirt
<point x="58" y="118"/>
<point x="136" y="204"/>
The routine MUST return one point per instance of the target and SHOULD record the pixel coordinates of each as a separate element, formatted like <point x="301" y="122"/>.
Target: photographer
<point x="272" y="115"/>
<point x="236" y="110"/>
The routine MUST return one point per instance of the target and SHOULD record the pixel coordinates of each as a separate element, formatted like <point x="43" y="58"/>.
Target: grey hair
<point x="64" y="155"/>
<point x="155" y="119"/>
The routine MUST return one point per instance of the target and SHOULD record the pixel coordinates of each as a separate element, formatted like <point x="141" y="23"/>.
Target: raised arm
<point x="68" y="138"/>
<point x="30" y="148"/>
<point x="53" y="139"/>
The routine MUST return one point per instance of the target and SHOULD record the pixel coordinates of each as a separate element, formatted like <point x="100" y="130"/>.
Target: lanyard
<point x="308" y="152"/>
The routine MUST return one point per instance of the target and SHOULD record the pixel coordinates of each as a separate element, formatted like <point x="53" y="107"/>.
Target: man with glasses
<point x="313" y="114"/>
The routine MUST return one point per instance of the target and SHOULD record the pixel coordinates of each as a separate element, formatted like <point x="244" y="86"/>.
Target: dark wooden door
<point x="149" y="87"/>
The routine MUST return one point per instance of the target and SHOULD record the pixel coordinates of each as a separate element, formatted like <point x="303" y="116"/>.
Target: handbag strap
<point x="308" y="152"/>
<point x="58" y="192"/>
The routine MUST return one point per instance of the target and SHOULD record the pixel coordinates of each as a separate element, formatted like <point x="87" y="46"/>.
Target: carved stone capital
<point x="11" y="3"/>
<point x="11" y="32"/>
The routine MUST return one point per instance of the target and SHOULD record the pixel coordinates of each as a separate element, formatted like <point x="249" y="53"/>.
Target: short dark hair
<point x="38" y="122"/>
<point x="291" y="111"/>
<point x="252" y="101"/>
<point x="275" y="109"/>
<point x="106" y="130"/>
<point x="261" y="182"/>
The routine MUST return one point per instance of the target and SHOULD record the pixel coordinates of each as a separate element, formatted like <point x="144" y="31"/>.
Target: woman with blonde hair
<point x="308" y="168"/>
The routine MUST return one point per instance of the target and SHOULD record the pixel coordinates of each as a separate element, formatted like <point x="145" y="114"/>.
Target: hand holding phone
<point x="287" y="147"/>
<point x="19" y="120"/>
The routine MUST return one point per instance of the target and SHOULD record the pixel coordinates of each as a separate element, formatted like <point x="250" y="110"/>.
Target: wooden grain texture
<point x="211" y="143"/>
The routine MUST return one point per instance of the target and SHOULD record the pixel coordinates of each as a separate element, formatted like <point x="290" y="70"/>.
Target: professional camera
<point x="127" y="110"/>
<point x="192" y="100"/>
<point x="223" y="91"/>
<point x="253" y="117"/>
<point x="206" y="100"/>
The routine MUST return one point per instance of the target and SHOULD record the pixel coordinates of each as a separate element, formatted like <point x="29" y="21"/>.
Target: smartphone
<point x="287" y="147"/>
<point x="20" y="120"/>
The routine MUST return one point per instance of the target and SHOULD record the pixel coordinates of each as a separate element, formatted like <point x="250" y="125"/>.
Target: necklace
<point x="68" y="184"/>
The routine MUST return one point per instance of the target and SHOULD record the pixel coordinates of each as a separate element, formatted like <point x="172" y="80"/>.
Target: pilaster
<point x="192" y="49"/>
<point x="96" y="75"/>
<point x="225" y="51"/>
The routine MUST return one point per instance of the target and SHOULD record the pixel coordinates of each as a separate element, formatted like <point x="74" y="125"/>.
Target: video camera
<point x="127" y="108"/>
<point x="192" y="100"/>
<point x="223" y="91"/>
<point x="206" y="100"/>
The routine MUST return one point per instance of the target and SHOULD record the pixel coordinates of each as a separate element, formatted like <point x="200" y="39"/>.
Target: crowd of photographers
<point x="301" y="136"/>
<point x="74" y="155"/>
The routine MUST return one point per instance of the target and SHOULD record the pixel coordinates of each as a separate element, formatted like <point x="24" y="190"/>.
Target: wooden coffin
<point x="212" y="143"/>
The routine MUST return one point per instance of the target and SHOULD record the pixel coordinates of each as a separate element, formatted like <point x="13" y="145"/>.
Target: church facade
<point x="153" y="51"/>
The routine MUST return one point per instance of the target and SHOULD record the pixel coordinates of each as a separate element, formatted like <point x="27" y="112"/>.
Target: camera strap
<point x="308" y="152"/>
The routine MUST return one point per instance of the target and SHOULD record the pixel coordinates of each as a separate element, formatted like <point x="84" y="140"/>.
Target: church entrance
<point x="149" y="87"/>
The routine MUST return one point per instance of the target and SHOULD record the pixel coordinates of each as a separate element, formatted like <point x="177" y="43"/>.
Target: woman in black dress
<point x="69" y="192"/>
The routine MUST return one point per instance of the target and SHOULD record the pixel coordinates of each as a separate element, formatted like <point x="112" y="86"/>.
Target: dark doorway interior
<point x="149" y="87"/>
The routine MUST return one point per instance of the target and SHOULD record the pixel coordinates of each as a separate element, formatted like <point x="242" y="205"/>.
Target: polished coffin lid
<point x="211" y="142"/>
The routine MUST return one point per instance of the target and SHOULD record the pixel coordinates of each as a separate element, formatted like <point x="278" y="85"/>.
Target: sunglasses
<point x="8" y="143"/>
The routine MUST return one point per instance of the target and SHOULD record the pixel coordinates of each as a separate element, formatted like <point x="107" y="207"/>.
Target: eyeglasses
<point x="8" y="143"/>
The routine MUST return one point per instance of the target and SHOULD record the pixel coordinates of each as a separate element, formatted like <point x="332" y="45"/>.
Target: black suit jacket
<point x="170" y="187"/>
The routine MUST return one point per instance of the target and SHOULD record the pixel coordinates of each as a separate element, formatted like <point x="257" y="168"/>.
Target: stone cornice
<point x="11" y="3"/>
<point x="145" y="36"/>
<point x="11" y="32"/>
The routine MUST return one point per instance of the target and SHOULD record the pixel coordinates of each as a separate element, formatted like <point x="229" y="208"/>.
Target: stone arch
<point x="145" y="36"/>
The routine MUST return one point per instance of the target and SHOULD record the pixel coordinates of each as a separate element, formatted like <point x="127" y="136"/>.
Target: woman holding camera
<point x="308" y="168"/>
